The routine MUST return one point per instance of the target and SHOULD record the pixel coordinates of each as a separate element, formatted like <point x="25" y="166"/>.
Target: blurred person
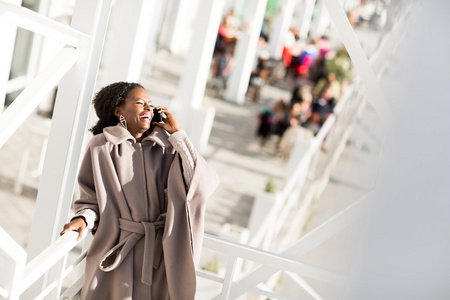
<point x="281" y="118"/>
<point x="222" y="64"/>
<point x="264" y="130"/>
<point x="289" y="43"/>
<point x="291" y="136"/>
<point x="329" y="81"/>
<point x="302" y="93"/>
<point x="260" y="73"/>
<point x="143" y="191"/>
<point x="301" y="64"/>
<point x="314" y="122"/>
<point x="318" y="69"/>
<point x="228" y="31"/>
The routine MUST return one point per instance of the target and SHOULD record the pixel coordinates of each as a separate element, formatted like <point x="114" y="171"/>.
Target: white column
<point x="8" y="37"/>
<point x="195" y="74"/>
<point x="176" y="33"/>
<point x="68" y="128"/>
<point x="125" y="47"/>
<point x="197" y="63"/>
<point x="156" y="17"/>
<point x="304" y="14"/>
<point x="321" y="20"/>
<point x="280" y="28"/>
<point x="245" y="51"/>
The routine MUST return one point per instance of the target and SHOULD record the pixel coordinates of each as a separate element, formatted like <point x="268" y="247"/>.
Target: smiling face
<point x="138" y="112"/>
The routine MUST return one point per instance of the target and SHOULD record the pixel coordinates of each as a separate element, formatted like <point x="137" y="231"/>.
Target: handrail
<point x="283" y="199"/>
<point x="30" y="20"/>
<point x="272" y="259"/>
<point x="50" y="257"/>
<point x="26" y="275"/>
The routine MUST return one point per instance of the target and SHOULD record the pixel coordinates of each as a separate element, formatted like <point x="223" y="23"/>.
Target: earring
<point x="123" y="121"/>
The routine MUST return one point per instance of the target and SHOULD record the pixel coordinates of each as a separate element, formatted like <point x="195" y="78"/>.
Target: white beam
<point x="280" y="28"/>
<point x="125" y="49"/>
<point x="32" y="95"/>
<point x="198" y="61"/>
<point x="305" y="12"/>
<point x="321" y="20"/>
<point x="8" y="37"/>
<point x="374" y="93"/>
<point x="245" y="52"/>
<point x="30" y="20"/>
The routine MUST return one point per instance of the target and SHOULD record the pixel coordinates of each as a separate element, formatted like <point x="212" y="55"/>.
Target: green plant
<point x="270" y="186"/>
<point x="341" y="66"/>
<point x="212" y="265"/>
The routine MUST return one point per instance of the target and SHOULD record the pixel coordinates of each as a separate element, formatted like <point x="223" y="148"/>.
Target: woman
<point x="143" y="189"/>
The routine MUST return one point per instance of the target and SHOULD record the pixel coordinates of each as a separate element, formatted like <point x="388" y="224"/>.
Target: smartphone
<point x="157" y="117"/>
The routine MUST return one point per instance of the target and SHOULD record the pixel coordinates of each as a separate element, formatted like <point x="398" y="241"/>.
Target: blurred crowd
<point x="319" y="76"/>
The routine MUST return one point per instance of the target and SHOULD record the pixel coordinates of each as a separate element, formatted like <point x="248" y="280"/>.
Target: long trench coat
<point x="150" y="229"/>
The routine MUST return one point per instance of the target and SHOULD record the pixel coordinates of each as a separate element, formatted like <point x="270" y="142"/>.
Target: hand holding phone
<point x="164" y="119"/>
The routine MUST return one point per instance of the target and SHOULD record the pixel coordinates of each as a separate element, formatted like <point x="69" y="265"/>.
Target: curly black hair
<point x="106" y="101"/>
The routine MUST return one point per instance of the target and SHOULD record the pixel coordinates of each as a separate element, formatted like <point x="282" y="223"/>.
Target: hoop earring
<point x="123" y="121"/>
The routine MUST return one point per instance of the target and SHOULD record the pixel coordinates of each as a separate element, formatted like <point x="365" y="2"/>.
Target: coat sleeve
<point x="184" y="229"/>
<point x="86" y="183"/>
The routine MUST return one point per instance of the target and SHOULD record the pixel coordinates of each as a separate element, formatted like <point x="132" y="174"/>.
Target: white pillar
<point x="304" y="14"/>
<point x="195" y="72"/>
<point x="280" y="28"/>
<point x="245" y="51"/>
<point x="68" y="128"/>
<point x="156" y="16"/>
<point x="321" y="20"/>
<point x="197" y="63"/>
<point x="176" y="33"/>
<point x="8" y="37"/>
<point x="125" y="47"/>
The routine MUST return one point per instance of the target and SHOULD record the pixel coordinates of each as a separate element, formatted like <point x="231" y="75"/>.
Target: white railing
<point x="73" y="70"/>
<point x="232" y="286"/>
<point x="22" y="275"/>
<point x="266" y="219"/>
<point x="287" y="261"/>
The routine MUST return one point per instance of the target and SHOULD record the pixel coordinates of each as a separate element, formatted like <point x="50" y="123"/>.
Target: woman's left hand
<point x="170" y="123"/>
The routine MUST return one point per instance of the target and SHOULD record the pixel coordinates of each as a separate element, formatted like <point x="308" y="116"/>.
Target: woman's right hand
<point x="78" y="225"/>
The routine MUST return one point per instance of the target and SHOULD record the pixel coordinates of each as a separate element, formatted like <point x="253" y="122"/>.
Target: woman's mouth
<point x="145" y="117"/>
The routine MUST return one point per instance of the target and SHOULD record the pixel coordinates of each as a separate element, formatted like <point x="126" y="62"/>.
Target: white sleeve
<point x="184" y="147"/>
<point x="89" y="215"/>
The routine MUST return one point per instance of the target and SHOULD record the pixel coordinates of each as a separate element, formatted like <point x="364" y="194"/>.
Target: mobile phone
<point x="157" y="117"/>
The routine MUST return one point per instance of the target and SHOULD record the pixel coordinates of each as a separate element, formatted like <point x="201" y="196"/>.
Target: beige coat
<point x="150" y="232"/>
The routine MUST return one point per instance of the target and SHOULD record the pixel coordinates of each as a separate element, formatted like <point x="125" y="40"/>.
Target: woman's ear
<point x="117" y="111"/>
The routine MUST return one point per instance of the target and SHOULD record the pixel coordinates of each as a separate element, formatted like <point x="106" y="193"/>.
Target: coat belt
<point x="152" y="246"/>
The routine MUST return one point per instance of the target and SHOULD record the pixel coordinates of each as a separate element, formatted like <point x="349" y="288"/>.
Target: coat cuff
<point x="183" y="145"/>
<point x="89" y="215"/>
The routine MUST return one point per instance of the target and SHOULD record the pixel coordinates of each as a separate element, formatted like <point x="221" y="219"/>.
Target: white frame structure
<point x="74" y="70"/>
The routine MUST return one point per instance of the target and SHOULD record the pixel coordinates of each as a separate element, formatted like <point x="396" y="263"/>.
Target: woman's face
<point x="138" y="112"/>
